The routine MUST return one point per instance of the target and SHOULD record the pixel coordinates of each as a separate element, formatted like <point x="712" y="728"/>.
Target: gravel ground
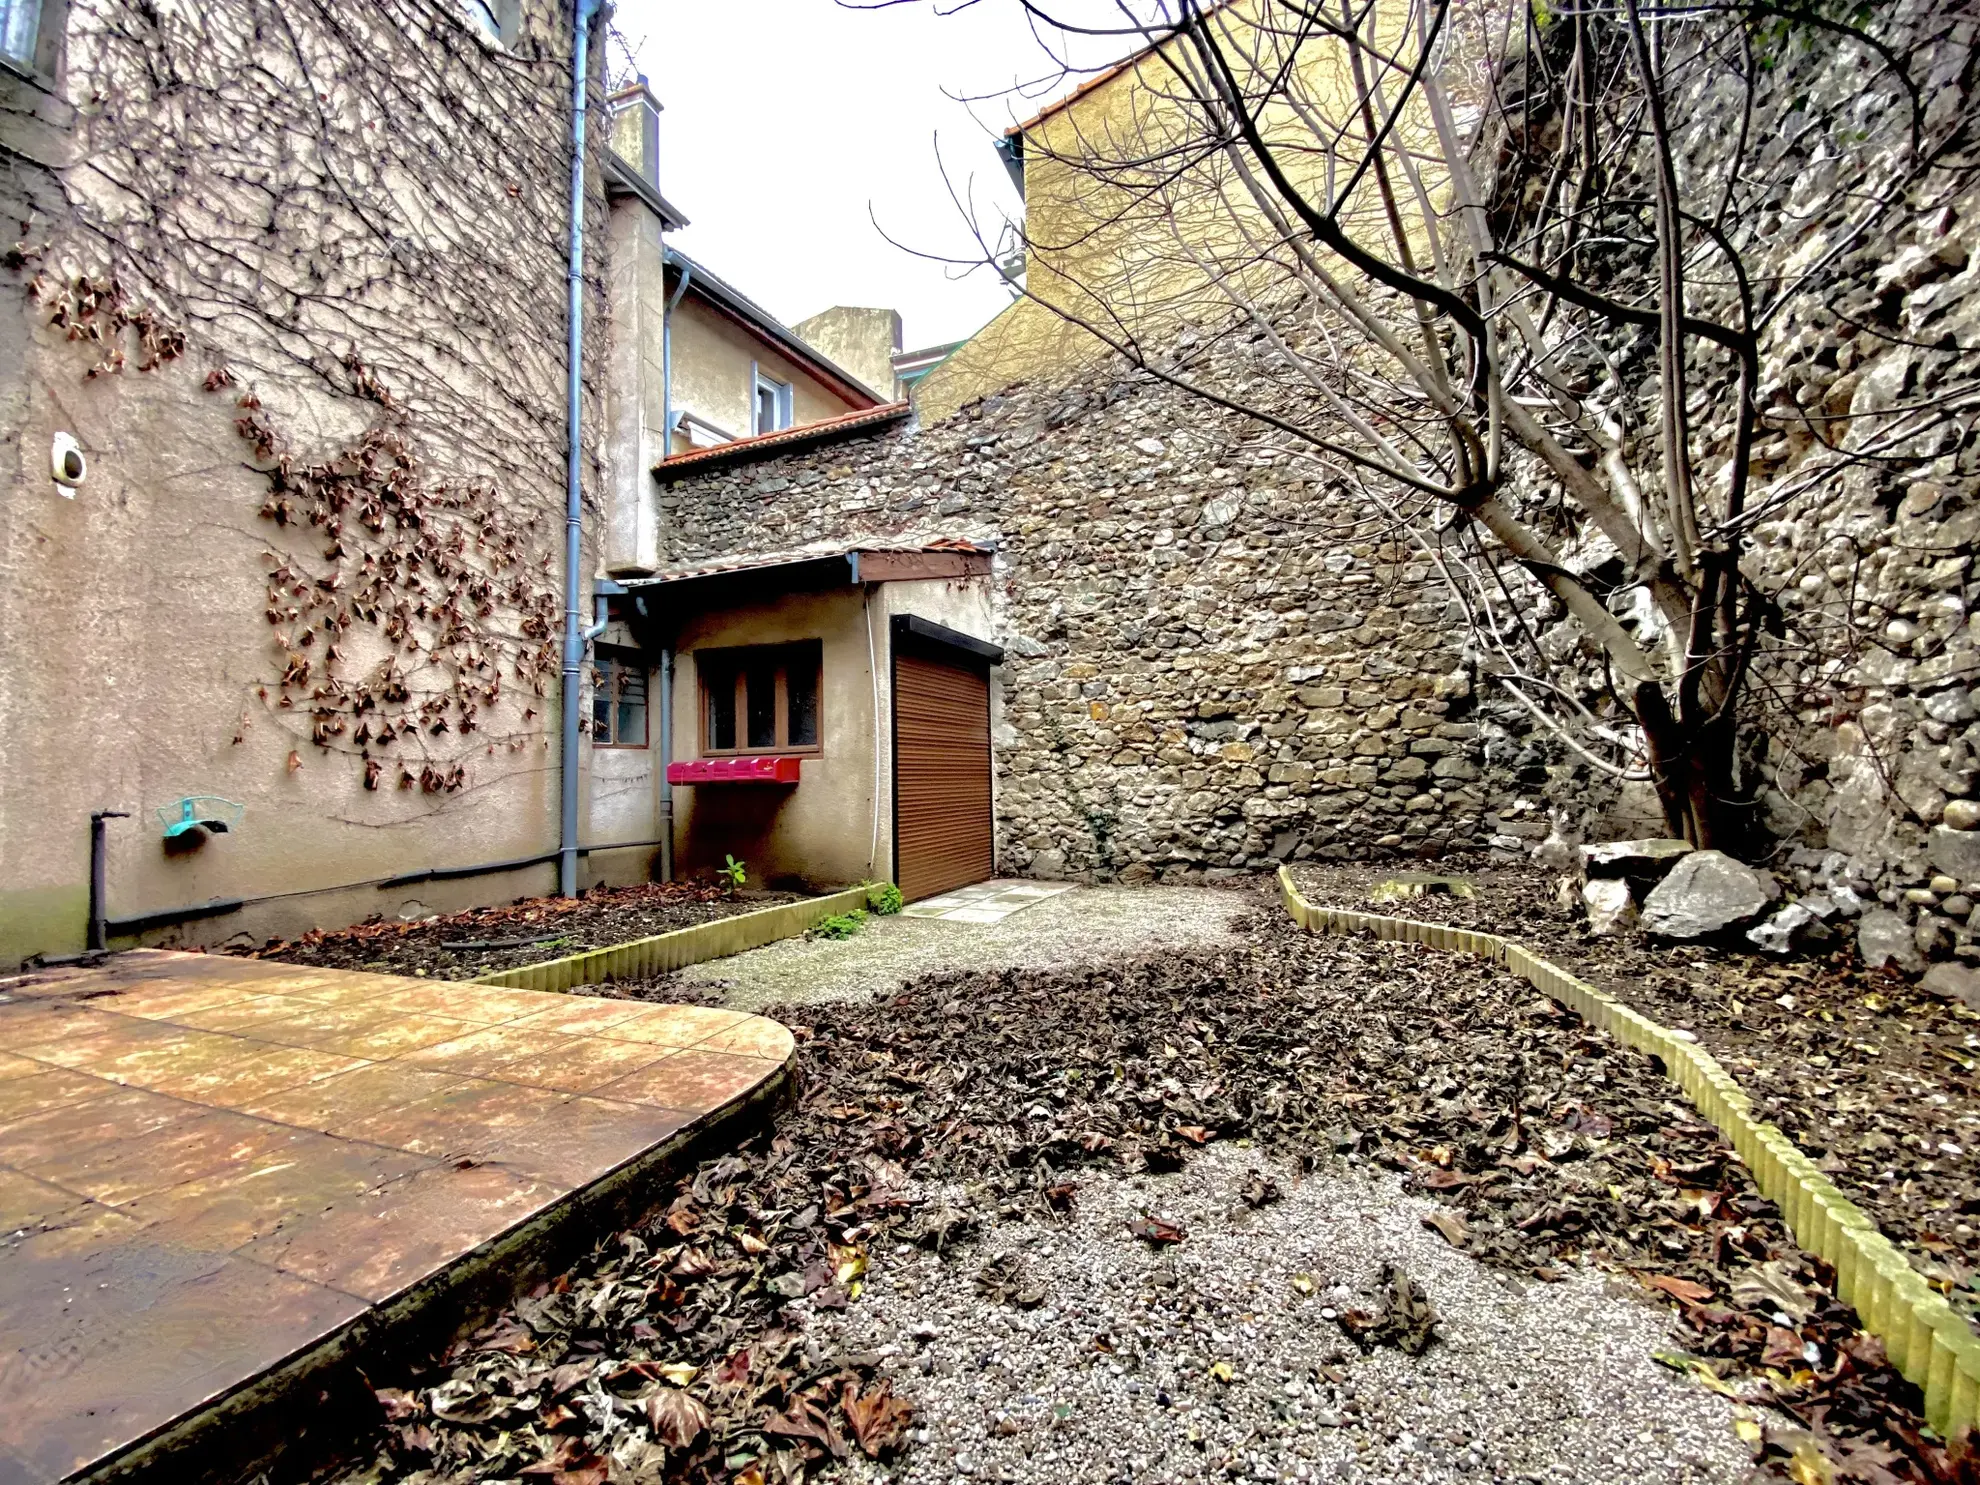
<point x="1110" y="1376"/>
<point x="1087" y="925"/>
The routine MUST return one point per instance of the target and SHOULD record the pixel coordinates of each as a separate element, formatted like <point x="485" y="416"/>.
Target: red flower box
<point x="734" y="771"/>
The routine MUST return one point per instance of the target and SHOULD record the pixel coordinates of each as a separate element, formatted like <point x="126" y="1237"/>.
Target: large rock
<point x="1642" y="863"/>
<point x="1707" y="892"/>
<point x="1611" y="910"/>
<point x="1884" y="938"/>
<point x="1956" y="853"/>
<point x="1953" y="982"/>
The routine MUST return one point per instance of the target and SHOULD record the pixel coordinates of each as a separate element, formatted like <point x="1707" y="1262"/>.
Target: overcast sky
<point x="792" y="126"/>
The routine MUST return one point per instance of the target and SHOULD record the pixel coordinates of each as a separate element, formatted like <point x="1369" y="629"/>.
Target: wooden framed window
<point x="618" y="698"/>
<point x="764" y="699"/>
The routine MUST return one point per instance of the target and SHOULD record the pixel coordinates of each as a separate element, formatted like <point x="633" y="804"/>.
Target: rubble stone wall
<point x="1199" y="677"/>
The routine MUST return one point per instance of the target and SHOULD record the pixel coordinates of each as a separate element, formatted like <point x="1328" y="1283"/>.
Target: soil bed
<point x="527" y="931"/>
<point x="1871" y="1076"/>
<point x="941" y="1130"/>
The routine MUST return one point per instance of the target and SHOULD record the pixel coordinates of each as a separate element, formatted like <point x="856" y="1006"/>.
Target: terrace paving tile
<point x="210" y="1166"/>
<point x="586" y="1139"/>
<point x="674" y="1025"/>
<point x="397" y="1234"/>
<point x="344" y="1100"/>
<point x="689" y="1080"/>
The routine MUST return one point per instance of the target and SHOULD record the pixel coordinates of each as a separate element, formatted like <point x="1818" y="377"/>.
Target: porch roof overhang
<point x="726" y="581"/>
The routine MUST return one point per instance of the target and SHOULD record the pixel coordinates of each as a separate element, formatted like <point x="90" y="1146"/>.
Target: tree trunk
<point x="1691" y="763"/>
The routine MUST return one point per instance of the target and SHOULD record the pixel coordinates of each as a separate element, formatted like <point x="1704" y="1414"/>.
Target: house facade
<point x="282" y="461"/>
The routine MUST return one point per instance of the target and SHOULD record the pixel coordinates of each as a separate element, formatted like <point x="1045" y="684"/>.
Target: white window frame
<point x="781" y="391"/>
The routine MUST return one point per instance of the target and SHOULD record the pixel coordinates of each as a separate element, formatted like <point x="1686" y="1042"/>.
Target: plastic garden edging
<point x="676" y="950"/>
<point x="1926" y="1339"/>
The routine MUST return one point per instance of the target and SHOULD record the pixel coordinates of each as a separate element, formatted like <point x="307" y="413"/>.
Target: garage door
<point x="942" y="830"/>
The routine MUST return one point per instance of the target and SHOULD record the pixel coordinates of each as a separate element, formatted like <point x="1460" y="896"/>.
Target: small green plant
<point x="884" y="898"/>
<point x="841" y="925"/>
<point x="731" y="875"/>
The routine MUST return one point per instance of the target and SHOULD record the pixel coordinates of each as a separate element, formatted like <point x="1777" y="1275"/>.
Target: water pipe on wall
<point x="667" y="351"/>
<point x="575" y="634"/>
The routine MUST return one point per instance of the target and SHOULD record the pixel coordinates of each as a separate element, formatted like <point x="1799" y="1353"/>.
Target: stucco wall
<point x="836" y="826"/>
<point x="863" y="341"/>
<point x="823" y="829"/>
<point x="712" y="357"/>
<point x="308" y="347"/>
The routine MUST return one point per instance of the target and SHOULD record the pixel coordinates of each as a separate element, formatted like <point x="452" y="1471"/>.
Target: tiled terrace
<point x="209" y="1166"/>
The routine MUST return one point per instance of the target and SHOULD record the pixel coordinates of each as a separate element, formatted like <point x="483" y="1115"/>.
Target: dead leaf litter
<point x="937" y="1260"/>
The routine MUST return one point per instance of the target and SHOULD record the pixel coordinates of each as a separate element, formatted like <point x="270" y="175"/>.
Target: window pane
<point x="802" y="685"/>
<point x="20" y="21"/>
<point x="601" y="702"/>
<point x="766" y="409"/>
<point x="632" y="706"/>
<point x="721" y="710"/>
<point x="762" y="705"/>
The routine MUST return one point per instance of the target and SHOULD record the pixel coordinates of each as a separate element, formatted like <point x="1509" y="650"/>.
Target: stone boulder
<point x="1611" y="910"/>
<point x="1781" y="933"/>
<point x="1884" y="938"/>
<point x="1956" y="853"/>
<point x="1706" y="893"/>
<point x="1641" y="863"/>
<point x="1953" y="982"/>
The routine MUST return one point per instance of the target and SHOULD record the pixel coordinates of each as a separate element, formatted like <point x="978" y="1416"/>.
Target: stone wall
<point x="1212" y="665"/>
<point x="1866" y="468"/>
<point x="1219" y="661"/>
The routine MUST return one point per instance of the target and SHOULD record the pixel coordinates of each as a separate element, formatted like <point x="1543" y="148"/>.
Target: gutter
<point x="575" y="635"/>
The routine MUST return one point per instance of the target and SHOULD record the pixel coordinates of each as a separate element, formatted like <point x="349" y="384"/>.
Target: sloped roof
<point x="763" y="445"/>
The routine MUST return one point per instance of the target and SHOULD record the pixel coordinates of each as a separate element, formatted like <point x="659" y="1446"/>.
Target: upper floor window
<point x="773" y="404"/>
<point x="28" y="33"/>
<point x="499" y="20"/>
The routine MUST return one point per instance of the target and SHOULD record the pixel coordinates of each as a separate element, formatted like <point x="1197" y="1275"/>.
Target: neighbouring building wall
<point x="863" y="341"/>
<point x="1196" y="677"/>
<point x="713" y="357"/>
<point x="311" y="342"/>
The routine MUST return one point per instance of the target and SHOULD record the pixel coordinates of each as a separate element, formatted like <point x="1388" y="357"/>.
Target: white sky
<point x="787" y="120"/>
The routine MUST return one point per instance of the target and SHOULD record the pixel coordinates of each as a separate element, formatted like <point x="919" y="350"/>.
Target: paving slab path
<point x="1083" y="926"/>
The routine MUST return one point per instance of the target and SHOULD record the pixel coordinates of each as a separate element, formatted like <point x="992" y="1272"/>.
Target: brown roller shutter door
<point x="942" y="829"/>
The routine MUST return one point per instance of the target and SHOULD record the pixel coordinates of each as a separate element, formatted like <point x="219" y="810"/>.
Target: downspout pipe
<point x="667" y="355"/>
<point x="574" y="631"/>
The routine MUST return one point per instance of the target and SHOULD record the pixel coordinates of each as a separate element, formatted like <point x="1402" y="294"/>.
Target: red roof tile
<point x="744" y="448"/>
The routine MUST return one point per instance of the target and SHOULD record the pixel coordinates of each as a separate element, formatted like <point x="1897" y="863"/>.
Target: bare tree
<point x="1517" y="266"/>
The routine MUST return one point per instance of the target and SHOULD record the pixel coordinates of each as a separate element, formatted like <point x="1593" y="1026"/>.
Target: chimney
<point x="636" y="130"/>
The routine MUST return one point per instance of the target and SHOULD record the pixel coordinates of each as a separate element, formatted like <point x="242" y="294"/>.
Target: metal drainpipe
<point x="667" y="352"/>
<point x="574" y="630"/>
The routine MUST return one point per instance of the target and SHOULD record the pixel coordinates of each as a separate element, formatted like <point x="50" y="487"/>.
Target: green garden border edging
<point x="682" y="947"/>
<point x="1926" y="1339"/>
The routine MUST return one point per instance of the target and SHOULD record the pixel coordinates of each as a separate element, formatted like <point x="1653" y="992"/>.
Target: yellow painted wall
<point x="712" y="356"/>
<point x="1131" y="251"/>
